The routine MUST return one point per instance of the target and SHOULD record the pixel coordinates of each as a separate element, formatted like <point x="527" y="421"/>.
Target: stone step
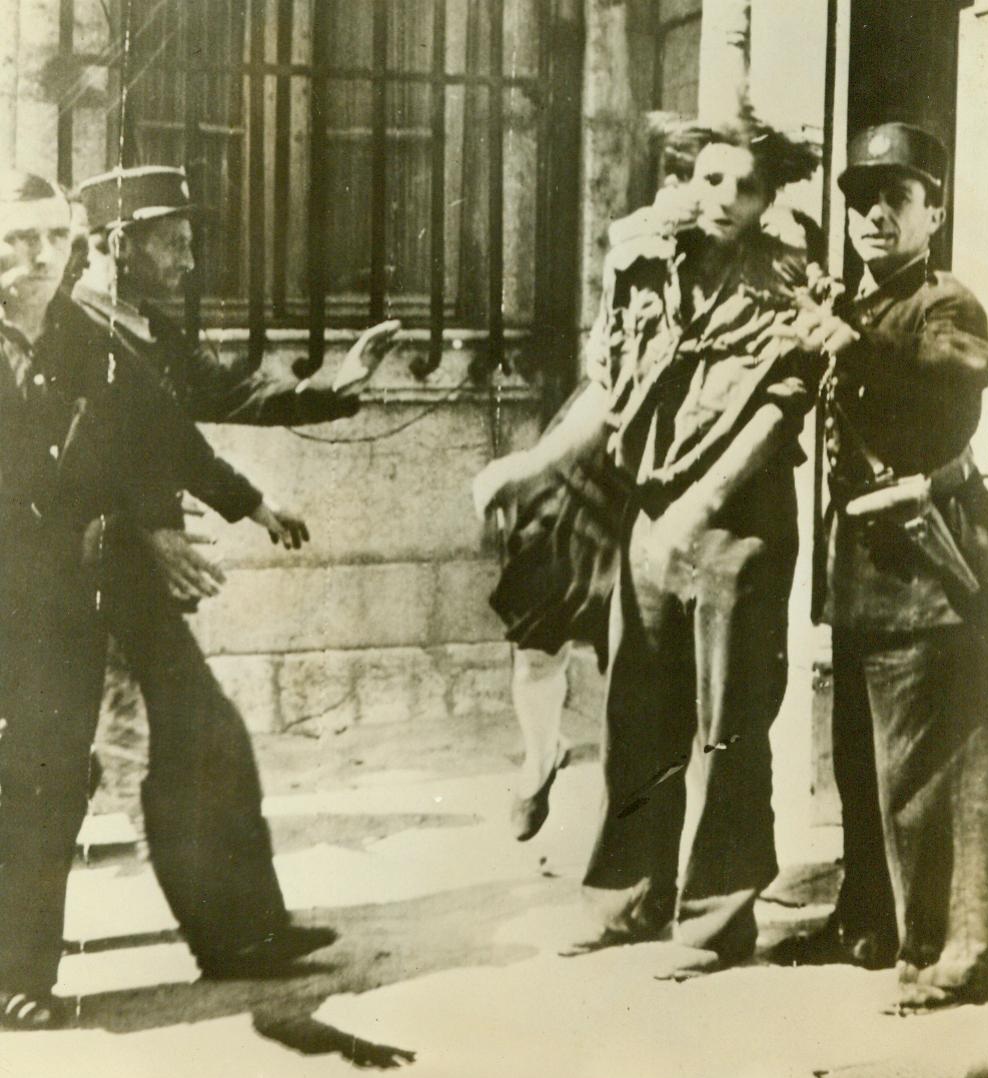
<point x="107" y="837"/>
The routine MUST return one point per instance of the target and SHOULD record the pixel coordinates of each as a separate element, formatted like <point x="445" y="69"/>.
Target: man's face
<point x="34" y="249"/>
<point x="889" y="220"/>
<point x="730" y="195"/>
<point x="158" y="256"/>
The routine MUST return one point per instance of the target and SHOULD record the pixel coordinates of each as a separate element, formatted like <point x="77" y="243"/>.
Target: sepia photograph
<point x="493" y="538"/>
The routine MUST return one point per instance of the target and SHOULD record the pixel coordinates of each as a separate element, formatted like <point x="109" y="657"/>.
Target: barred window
<point x="355" y="159"/>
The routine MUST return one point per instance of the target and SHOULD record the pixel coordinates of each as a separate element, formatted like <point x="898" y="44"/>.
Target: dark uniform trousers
<point x="924" y="693"/>
<point x="208" y="840"/>
<point x="93" y="449"/>
<point x="865" y="910"/>
<point x="698" y="681"/>
<point x="53" y="650"/>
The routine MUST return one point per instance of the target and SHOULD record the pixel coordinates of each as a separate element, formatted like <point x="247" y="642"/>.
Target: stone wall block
<point x="462" y="612"/>
<point x="401" y="685"/>
<point x="318" y="688"/>
<point x="249" y="681"/>
<point x="479" y="679"/>
<point x="308" y="609"/>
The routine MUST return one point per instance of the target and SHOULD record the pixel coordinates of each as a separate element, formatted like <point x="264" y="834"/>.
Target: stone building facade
<point x="384" y="618"/>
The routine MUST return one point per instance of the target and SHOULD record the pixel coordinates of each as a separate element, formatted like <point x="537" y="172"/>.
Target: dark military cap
<point x="895" y="145"/>
<point x="126" y="195"/>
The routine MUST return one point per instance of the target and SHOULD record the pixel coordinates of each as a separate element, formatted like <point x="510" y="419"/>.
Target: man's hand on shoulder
<point x="187" y="573"/>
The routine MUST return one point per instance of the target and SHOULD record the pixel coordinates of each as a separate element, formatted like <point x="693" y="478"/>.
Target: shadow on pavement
<point x="379" y="945"/>
<point x="307" y="1035"/>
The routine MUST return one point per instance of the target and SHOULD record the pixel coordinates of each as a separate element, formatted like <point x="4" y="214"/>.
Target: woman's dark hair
<point x="780" y="158"/>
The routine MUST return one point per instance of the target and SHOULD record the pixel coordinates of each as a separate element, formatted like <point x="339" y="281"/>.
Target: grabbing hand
<point x="817" y="329"/>
<point x="650" y="231"/>
<point x="284" y="527"/>
<point x="188" y="575"/>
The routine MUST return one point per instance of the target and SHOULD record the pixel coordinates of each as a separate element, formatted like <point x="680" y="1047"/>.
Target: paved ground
<point x="447" y="962"/>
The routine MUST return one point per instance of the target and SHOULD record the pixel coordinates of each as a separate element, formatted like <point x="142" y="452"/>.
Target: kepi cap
<point x="126" y="195"/>
<point x="895" y="145"/>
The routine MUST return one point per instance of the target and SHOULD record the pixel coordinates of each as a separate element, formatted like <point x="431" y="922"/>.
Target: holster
<point x="909" y="504"/>
<point x="929" y="533"/>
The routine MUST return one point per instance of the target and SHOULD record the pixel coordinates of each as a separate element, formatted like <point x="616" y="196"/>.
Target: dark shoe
<point x="528" y="814"/>
<point x="832" y="945"/>
<point x="30" y="1011"/>
<point x="272" y="956"/>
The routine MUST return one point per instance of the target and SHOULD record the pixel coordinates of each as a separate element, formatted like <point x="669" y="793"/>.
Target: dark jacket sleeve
<point x="176" y="456"/>
<point x="949" y="341"/>
<point x="239" y="392"/>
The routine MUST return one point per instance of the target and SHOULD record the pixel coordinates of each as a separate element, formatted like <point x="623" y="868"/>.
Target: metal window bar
<point x="256" y="313"/>
<point x="495" y="159"/>
<point x="282" y="159"/>
<point x="194" y="162"/>
<point x="437" y="213"/>
<point x="317" y="189"/>
<point x="379" y="149"/>
<point x="66" y="35"/>
<point x="546" y="12"/>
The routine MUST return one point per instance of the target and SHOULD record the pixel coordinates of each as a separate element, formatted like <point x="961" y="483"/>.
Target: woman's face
<point x="731" y="197"/>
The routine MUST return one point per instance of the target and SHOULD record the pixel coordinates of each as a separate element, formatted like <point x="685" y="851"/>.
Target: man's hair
<point x="19" y="186"/>
<point x="779" y="158"/>
<point x="934" y="193"/>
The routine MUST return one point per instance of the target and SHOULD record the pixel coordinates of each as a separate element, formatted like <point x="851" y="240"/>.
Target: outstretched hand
<point x="282" y="526"/>
<point x="364" y="357"/>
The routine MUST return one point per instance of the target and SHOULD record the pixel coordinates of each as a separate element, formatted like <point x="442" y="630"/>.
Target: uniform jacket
<point x="911" y="388"/>
<point x="192" y="464"/>
<point x="87" y="431"/>
<point x="210" y="390"/>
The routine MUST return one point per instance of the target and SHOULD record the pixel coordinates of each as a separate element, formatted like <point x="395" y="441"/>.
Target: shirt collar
<point x="869" y="286"/>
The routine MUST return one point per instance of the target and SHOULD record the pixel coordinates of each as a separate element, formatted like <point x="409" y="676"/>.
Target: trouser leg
<point x="50" y="686"/>
<point x="209" y="843"/>
<point x="538" y="689"/>
<point x="929" y="699"/>
<point x="740" y="626"/>
<point x="649" y="723"/>
<point x="865" y="911"/>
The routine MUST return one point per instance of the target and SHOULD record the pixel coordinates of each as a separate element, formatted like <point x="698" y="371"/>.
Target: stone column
<point x="36" y="130"/>
<point x="725" y="37"/>
<point x="9" y="47"/>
